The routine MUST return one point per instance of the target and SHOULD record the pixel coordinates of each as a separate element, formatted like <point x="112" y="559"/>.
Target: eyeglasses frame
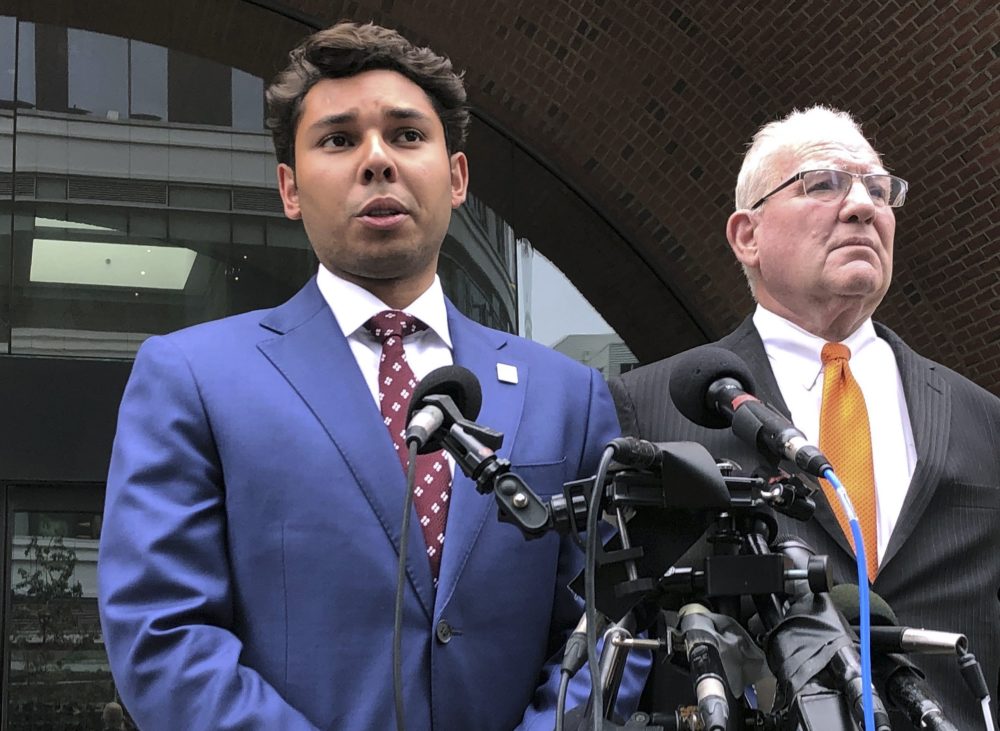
<point x="854" y="176"/>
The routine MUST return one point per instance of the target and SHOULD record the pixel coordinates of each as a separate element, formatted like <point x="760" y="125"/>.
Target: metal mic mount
<point x="473" y="447"/>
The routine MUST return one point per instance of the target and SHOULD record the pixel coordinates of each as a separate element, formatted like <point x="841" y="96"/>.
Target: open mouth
<point x="383" y="213"/>
<point x="383" y="208"/>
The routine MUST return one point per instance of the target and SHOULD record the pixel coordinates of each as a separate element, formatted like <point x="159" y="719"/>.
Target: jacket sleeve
<point x="601" y="428"/>
<point x="164" y="585"/>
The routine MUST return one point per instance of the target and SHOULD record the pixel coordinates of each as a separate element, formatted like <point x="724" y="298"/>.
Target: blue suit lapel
<point x="478" y="349"/>
<point x="313" y="355"/>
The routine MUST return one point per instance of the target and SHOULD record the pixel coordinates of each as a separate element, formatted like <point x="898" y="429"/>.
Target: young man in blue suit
<point x="249" y="554"/>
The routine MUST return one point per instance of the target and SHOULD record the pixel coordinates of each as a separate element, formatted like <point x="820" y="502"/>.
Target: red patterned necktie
<point x="432" y="489"/>
<point x="845" y="439"/>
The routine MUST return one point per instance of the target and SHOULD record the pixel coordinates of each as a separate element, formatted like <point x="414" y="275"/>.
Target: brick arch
<point x="644" y="109"/>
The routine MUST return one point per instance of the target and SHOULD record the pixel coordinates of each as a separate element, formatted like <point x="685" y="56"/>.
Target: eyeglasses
<point x="832" y="186"/>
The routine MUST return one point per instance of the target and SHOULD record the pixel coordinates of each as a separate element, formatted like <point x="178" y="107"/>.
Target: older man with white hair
<point x="915" y="443"/>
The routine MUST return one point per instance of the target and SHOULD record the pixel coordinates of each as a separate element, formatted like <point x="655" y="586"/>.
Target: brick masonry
<point x="645" y="108"/>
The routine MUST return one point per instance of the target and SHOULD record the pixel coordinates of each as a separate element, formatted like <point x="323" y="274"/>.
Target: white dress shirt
<point x="352" y="306"/>
<point x="794" y="355"/>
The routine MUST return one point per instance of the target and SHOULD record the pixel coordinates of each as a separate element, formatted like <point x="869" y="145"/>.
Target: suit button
<point x="443" y="632"/>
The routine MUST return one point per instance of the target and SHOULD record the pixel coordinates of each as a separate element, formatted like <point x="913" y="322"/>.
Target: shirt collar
<point x="352" y="305"/>
<point x="786" y="342"/>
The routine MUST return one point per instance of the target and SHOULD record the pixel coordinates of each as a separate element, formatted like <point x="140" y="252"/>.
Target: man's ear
<point x="289" y="191"/>
<point x="741" y="231"/>
<point x="459" y="178"/>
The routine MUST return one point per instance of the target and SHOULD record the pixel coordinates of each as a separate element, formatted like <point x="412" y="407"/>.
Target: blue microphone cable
<point x="863" y="585"/>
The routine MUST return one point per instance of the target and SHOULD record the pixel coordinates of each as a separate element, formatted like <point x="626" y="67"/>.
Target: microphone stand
<point x="741" y="563"/>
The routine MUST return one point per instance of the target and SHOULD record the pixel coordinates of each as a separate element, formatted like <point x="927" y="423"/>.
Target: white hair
<point x="758" y="175"/>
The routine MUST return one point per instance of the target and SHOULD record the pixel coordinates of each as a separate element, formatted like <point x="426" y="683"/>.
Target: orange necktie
<point x="845" y="438"/>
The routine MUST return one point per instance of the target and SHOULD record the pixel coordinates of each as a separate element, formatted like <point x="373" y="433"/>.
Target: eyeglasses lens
<point x="834" y="185"/>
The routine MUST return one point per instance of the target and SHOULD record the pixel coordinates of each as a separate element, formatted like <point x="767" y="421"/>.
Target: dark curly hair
<point x="347" y="49"/>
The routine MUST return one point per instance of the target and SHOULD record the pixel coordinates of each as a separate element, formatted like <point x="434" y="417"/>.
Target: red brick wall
<point x="646" y="106"/>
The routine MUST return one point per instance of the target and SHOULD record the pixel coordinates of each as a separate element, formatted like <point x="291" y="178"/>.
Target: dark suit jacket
<point x="249" y="549"/>
<point x="942" y="565"/>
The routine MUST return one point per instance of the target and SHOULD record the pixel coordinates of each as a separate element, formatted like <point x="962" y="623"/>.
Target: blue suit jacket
<point x="249" y="547"/>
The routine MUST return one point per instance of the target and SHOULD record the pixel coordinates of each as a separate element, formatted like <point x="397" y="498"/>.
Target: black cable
<point x="590" y="590"/>
<point x="561" y="699"/>
<point x="972" y="674"/>
<point x="397" y="623"/>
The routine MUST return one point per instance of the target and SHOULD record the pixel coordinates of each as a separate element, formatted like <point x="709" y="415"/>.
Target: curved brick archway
<point x="644" y="108"/>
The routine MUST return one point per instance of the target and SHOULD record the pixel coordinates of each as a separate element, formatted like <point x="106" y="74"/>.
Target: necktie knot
<point x="833" y="352"/>
<point x="391" y="323"/>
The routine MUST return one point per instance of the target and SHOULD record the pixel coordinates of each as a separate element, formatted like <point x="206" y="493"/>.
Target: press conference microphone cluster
<point x="844" y="665"/>
<point x="903" y="682"/>
<point x="714" y="388"/>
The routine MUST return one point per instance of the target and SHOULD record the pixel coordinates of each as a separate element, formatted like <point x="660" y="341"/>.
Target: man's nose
<point x="858" y="203"/>
<point x="378" y="164"/>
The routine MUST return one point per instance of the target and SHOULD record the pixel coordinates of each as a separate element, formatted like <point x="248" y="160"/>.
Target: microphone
<point x="445" y="395"/>
<point x="706" y="666"/>
<point x="887" y="635"/>
<point x="845" y="664"/>
<point x="846" y="668"/>
<point x="905" y="689"/>
<point x="714" y="388"/>
<point x="904" y="684"/>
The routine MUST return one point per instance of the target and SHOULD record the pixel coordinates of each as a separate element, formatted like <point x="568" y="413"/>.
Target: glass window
<point x="98" y="74"/>
<point x="147" y="81"/>
<point x="8" y="54"/>
<point x="47" y="62"/>
<point x="8" y="31"/>
<point x="25" y="45"/>
<point x="199" y="90"/>
<point x="97" y="282"/>
<point x="248" y="101"/>
<point x="57" y="670"/>
<point x="5" y="253"/>
<point x="107" y="238"/>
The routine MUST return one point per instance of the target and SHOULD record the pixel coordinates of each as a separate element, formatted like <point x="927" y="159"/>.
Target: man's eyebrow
<point x="406" y="113"/>
<point x="333" y="120"/>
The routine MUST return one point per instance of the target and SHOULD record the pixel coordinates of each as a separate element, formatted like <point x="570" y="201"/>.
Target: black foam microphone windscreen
<point x="454" y="381"/>
<point x="845" y="598"/>
<point x="696" y="370"/>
